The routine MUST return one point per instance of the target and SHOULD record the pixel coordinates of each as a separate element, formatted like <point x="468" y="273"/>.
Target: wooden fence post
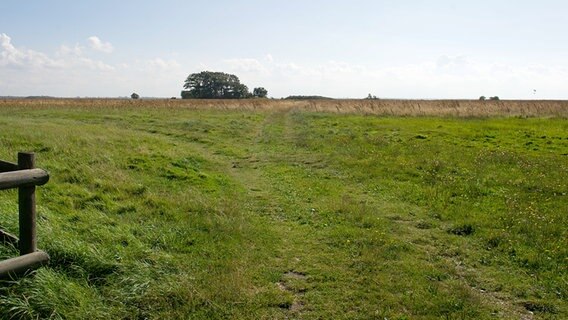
<point x="27" y="208"/>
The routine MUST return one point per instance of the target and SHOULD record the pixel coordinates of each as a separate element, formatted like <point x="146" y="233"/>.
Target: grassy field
<point x="276" y="210"/>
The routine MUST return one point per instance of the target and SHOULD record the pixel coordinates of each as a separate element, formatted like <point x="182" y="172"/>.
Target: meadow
<point x="269" y="209"/>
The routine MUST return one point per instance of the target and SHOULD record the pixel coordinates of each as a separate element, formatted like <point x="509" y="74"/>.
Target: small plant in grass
<point x="462" y="230"/>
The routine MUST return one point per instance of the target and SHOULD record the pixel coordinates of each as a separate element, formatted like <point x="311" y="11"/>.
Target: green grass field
<point x="176" y="213"/>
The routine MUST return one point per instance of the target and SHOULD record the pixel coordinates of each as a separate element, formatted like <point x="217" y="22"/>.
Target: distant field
<point x="454" y="108"/>
<point x="273" y="209"/>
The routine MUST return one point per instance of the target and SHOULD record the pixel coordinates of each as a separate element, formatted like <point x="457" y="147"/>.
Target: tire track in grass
<point x="264" y="211"/>
<point x="312" y="270"/>
<point x="260" y="192"/>
<point x="292" y="134"/>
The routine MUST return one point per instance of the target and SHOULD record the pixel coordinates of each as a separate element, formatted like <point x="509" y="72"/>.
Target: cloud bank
<point x="78" y="70"/>
<point x="72" y="71"/>
<point x="447" y="76"/>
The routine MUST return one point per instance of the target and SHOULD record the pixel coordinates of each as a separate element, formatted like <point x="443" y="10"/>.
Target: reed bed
<point x="388" y="107"/>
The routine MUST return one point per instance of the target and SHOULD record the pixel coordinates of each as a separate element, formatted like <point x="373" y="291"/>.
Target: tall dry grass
<point x="450" y="108"/>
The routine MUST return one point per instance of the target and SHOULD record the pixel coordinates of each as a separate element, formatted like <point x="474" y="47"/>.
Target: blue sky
<point x="391" y="49"/>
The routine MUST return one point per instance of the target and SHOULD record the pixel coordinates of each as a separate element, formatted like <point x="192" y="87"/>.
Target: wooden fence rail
<point x="7" y="166"/>
<point x="25" y="177"/>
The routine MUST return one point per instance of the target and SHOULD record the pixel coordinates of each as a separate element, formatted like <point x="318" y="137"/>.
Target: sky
<point x="436" y="49"/>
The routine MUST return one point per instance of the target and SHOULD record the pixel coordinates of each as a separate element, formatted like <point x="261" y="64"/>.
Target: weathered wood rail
<point x="25" y="177"/>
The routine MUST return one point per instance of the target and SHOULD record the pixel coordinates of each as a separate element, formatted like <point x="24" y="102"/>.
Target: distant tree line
<point x="218" y="85"/>
<point x="306" y="98"/>
<point x="483" y="98"/>
<point x="371" y="97"/>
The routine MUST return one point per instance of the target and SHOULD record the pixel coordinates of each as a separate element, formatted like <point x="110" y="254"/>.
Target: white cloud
<point x="5" y="41"/>
<point x="160" y="64"/>
<point x="445" y="61"/>
<point x="17" y="58"/>
<point x="97" y="44"/>
<point x="92" y="64"/>
<point x="33" y="61"/>
<point x="64" y="50"/>
<point x="67" y="72"/>
<point x="246" y="65"/>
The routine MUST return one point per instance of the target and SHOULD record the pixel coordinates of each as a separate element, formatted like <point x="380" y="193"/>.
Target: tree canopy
<point x="214" y="85"/>
<point x="259" y="92"/>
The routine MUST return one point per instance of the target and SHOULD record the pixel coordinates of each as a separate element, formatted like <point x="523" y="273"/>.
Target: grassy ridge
<point x="167" y="212"/>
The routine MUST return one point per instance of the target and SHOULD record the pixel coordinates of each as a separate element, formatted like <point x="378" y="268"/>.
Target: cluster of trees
<point x="483" y="98"/>
<point x="218" y="85"/>
<point x="371" y="97"/>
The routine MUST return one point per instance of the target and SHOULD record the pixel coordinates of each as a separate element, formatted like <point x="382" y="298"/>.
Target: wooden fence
<point x="25" y="177"/>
